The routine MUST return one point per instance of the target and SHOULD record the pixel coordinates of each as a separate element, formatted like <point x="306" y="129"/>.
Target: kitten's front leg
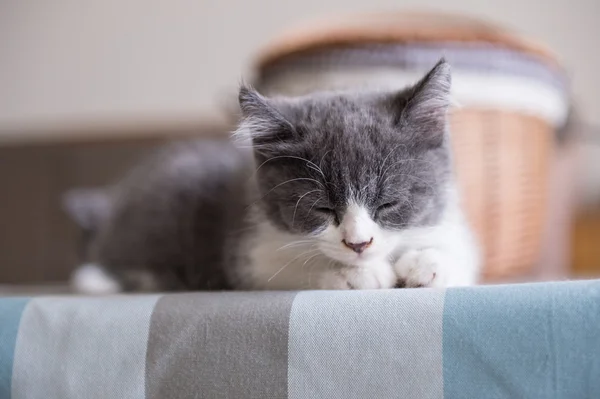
<point x="378" y="274"/>
<point x="432" y="267"/>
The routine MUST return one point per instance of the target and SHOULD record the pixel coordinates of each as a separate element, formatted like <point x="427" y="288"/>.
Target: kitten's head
<point x="351" y="170"/>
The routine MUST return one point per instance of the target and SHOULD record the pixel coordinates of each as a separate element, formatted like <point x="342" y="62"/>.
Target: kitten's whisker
<point x="289" y="181"/>
<point x="334" y="248"/>
<point x="295" y="244"/>
<point x="310" y="164"/>
<point x="327" y="182"/>
<point x="312" y="257"/>
<point x="315" y="169"/>
<point x="268" y="160"/>
<point x="298" y="202"/>
<point x="312" y="206"/>
<point x="290" y="262"/>
<point x="390" y="153"/>
<point x="322" y="158"/>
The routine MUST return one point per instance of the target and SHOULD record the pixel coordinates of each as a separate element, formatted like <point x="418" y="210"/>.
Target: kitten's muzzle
<point x="358" y="247"/>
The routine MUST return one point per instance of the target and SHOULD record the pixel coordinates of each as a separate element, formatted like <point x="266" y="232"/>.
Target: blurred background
<point x="89" y="87"/>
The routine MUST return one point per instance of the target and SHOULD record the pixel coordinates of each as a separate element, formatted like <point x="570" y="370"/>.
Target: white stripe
<point x="71" y="348"/>
<point x="469" y="88"/>
<point x="366" y="344"/>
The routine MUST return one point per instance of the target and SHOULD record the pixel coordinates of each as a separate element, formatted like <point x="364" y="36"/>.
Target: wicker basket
<point x="512" y="96"/>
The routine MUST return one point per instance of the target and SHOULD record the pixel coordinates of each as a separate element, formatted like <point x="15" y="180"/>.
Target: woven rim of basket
<point x="470" y="88"/>
<point x="416" y="56"/>
<point x="397" y="27"/>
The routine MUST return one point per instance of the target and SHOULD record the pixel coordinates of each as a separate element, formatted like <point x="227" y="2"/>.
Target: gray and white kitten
<point x="336" y="190"/>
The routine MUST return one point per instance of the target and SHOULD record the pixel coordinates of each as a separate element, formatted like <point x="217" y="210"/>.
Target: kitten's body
<point x="339" y="190"/>
<point x="171" y="219"/>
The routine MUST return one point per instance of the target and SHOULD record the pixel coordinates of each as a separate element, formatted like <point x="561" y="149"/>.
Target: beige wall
<point x="67" y="60"/>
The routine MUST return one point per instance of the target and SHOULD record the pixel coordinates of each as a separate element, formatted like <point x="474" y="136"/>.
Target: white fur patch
<point x="445" y="255"/>
<point x="438" y="256"/>
<point x="377" y="275"/>
<point x="91" y="279"/>
<point x="357" y="225"/>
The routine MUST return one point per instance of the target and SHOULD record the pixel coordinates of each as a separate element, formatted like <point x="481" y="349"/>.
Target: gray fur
<point x="185" y="213"/>
<point x="171" y="216"/>
<point x="89" y="208"/>
<point x="390" y="151"/>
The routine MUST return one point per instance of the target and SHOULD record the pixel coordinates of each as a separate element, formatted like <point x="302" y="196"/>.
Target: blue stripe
<point x="11" y="310"/>
<point x="523" y="341"/>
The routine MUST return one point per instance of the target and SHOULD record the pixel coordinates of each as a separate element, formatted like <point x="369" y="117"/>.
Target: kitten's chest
<point x="279" y="262"/>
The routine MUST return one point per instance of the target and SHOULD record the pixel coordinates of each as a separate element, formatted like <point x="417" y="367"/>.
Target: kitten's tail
<point x="93" y="279"/>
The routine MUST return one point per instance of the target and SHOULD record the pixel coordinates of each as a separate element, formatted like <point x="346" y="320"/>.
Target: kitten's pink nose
<point x="358" y="247"/>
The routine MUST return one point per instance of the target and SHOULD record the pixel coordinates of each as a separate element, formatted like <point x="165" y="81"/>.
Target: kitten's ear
<point x="424" y="106"/>
<point x="262" y="122"/>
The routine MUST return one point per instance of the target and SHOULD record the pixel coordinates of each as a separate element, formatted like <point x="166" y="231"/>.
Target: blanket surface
<point x="511" y="341"/>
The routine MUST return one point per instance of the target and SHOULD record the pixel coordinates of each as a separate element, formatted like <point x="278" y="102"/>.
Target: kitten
<point x="336" y="190"/>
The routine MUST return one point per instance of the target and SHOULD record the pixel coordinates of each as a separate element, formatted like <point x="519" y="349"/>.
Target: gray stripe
<point x="366" y="344"/>
<point x="92" y="348"/>
<point x="219" y="345"/>
<point x="477" y="57"/>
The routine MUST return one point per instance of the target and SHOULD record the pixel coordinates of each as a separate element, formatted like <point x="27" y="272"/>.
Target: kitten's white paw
<point x="374" y="276"/>
<point x="93" y="279"/>
<point x="424" y="268"/>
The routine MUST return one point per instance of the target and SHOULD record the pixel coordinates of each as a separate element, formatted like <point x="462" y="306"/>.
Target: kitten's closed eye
<point x="328" y="212"/>
<point x="325" y="210"/>
<point x="388" y="206"/>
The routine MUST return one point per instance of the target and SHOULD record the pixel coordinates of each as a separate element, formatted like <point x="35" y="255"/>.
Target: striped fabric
<point x="514" y="341"/>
